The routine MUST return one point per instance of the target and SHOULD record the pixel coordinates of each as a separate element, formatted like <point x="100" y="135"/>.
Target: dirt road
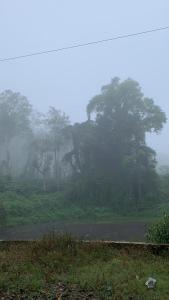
<point x="117" y="232"/>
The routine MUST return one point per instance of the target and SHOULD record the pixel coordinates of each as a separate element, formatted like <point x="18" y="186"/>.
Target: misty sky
<point x="68" y="80"/>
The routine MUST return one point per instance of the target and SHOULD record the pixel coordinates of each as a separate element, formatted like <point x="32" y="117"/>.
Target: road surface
<point x="134" y="231"/>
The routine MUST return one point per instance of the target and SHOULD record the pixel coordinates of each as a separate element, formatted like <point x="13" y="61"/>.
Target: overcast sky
<point x="68" y="80"/>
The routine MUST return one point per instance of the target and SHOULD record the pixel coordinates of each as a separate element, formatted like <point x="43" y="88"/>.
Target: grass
<point x="53" y="207"/>
<point x="62" y="268"/>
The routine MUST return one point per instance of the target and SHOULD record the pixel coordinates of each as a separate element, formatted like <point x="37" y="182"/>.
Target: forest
<point x="51" y="169"/>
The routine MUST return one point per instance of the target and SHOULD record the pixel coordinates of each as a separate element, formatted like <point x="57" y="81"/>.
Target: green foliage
<point x="15" y="111"/>
<point x="20" y="186"/>
<point x="34" y="208"/>
<point x="159" y="231"/>
<point x="55" y="207"/>
<point x="111" y="147"/>
<point x="102" y="162"/>
<point x="60" y="267"/>
<point x="102" y="192"/>
<point x="46" y="149"/>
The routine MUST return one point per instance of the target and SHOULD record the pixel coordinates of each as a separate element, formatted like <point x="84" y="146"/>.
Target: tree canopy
<point x="104" y="160"/>
<point x="112" y="144"/>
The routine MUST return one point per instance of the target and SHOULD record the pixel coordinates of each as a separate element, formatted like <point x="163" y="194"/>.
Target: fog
<point x="84" y="151"/>
<point x="68" y="80"/>
<point x="84" y="132"/>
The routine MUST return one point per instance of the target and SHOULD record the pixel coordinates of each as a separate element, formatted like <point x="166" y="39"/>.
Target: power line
<point x="84" y="44"/>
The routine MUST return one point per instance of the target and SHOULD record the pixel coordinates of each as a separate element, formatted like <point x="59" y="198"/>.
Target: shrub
<point x="159" y="231"/>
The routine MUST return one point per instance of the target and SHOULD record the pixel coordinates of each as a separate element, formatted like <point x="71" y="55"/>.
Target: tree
<point x="15" y="113"/>
<point x="56" y="122"/>
<point x="42" y="158"/>
<point x="81" y="158"/>
<point x="112" y="143"/>
<point x="123" y="117"/>
<point x="47" y="148"/>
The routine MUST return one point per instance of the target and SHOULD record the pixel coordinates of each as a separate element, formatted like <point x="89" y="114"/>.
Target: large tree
<point x="15" y="113"/>
<point x="112" y="143"/>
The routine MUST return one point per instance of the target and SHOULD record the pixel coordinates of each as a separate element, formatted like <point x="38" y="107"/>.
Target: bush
<point x="159" y="231"/>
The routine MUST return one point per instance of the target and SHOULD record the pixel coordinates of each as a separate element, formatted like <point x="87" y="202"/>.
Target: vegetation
<point x="100" y="170"/>
<point x="60" y="267"/>
<point x="40" y="208"/>
<point x="159" y="231"/>
<point x="43" y="208"/>
<point x="52" y="169"/>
